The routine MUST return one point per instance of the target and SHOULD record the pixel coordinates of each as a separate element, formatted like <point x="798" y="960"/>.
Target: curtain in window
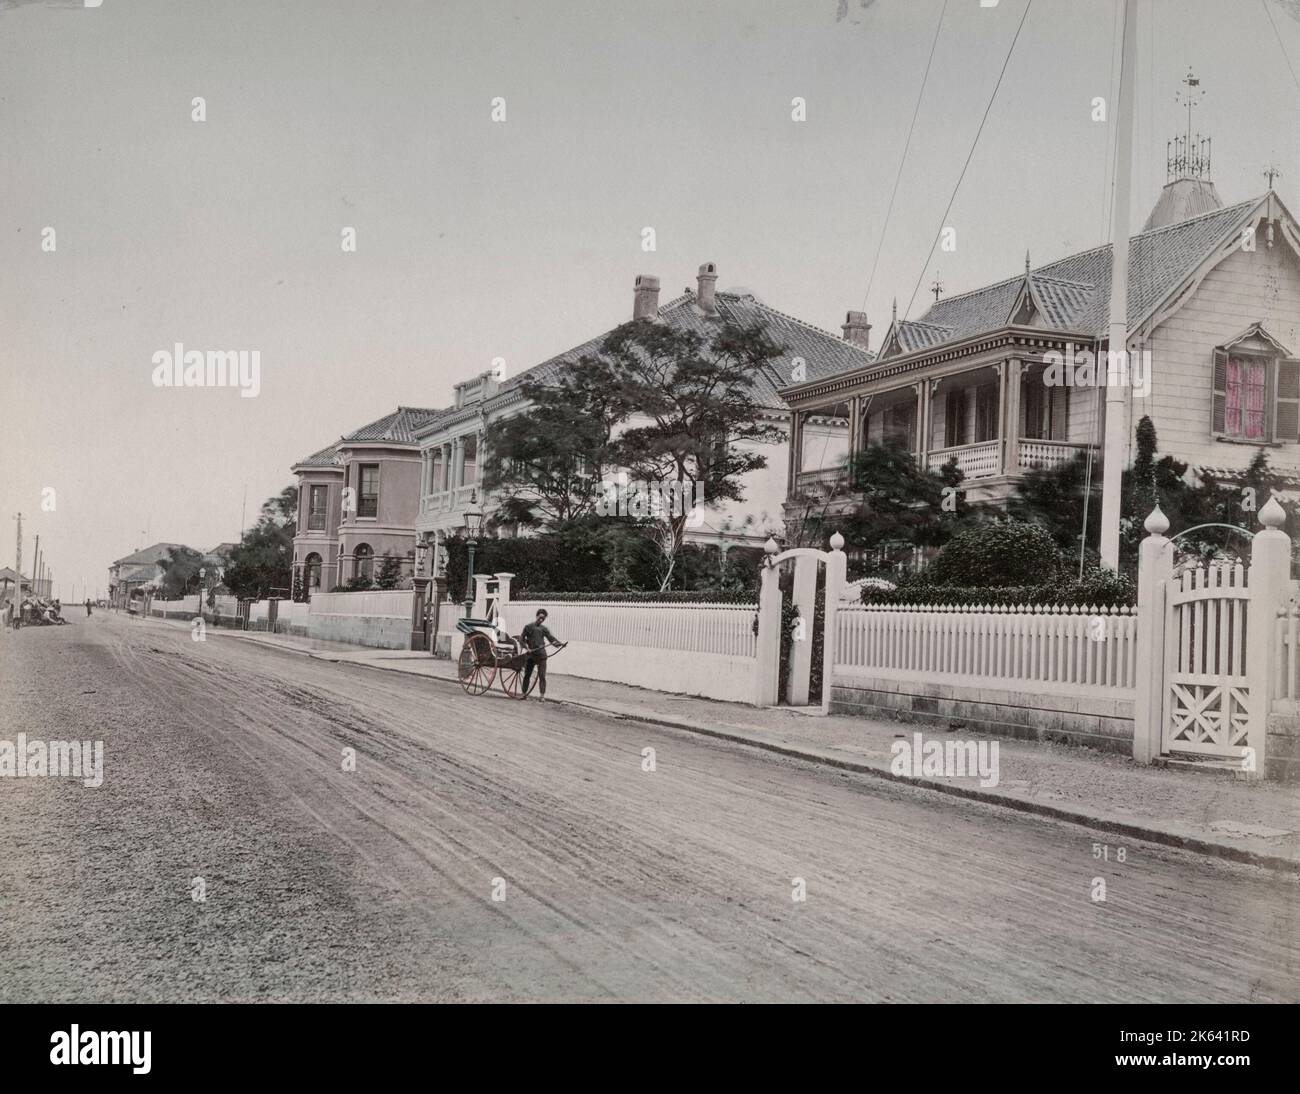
<point x="1245" y="398"/>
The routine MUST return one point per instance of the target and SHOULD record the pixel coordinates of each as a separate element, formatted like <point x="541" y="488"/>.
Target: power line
<point x="969" y="155"/>
<point x="1276" y="34"/>
<point x="916" y="109"/>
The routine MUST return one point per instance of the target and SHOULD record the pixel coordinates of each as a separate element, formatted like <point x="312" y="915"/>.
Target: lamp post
<point x="202" y="573"/>
<point x="474" y="523"/>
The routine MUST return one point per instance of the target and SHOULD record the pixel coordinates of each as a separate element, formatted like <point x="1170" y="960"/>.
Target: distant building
<point x="143" y="569"/>
<point x="357" y="502"/>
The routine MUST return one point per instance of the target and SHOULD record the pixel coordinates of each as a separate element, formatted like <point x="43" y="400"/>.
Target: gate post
<point x="836" y="572"/>
<point x="768" y="652"/>
<point x="1268" y="583"/>
<point x="804" y="598"/>
<point x="1155" y="568"/>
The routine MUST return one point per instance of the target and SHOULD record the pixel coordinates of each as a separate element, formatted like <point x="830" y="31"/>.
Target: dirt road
<point x="225" y="777"/>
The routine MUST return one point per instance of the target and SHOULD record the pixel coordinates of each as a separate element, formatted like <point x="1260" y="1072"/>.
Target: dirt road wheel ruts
<point x="476" y="668"/>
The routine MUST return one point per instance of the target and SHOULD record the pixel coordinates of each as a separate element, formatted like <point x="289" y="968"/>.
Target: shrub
<point x="1099" y="588"/>
<point x="997" y="554"/>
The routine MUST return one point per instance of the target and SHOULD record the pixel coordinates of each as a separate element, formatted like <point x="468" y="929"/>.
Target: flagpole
<point x="1117" y="386"/>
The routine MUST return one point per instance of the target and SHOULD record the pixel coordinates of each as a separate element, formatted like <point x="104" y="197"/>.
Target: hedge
<point x="1101" y="590"/>
<point x="672" y="596"/>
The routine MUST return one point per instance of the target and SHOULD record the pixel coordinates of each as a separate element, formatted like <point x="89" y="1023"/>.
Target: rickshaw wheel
<point x="512" y="681"/>
<point x="476" y="667"/>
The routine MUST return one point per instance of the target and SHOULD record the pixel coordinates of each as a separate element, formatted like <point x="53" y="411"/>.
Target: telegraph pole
<point x="18" y="564"/>
<point x="1117" y="380"/>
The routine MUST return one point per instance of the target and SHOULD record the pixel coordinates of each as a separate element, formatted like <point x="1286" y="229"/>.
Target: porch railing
<point x="1046" y="454"/>
<point x="976" y="461"/>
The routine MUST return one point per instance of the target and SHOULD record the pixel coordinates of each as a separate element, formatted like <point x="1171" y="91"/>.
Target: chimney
<point x="708" y="275"/>
<point x="856" y="329"/>
<point x="645" y="297"/>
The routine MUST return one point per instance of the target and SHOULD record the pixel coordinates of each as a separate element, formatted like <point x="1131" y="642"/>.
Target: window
<point x="896" y="423"/>
<point x="986" y="413"/>
<point x="365" y="561"/>
<point x="1256" y="397"/>
<point x="313" y="572"/>
<point x="954" y="418"/>
<point x="368" y="490"/>
<point x="1044" y="411"/>
<point x="316" y="514"/>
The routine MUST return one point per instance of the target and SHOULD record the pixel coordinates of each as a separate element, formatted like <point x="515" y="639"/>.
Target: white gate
<point x="1207" y="695"/>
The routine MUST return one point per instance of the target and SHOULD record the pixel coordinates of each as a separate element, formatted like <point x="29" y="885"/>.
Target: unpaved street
<point x="224" y="761"/>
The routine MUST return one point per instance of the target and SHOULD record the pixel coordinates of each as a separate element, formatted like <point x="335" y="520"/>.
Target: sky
<point x="478" y="239"/>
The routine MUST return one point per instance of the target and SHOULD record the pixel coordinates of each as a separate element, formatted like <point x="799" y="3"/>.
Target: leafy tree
<point x="181" y="575"/>
<point x="262" y="563"/>
<point x="691" y="419"/>
<point x="1000" y="552"/>
<point x="1054" y="499"/>
<point x="886" y="500"/>
<point x="545" y="465"/>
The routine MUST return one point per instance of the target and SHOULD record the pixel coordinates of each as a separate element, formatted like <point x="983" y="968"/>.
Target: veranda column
<point x="1269" y="584"/>
<point x="1009" y="432"/>
<point x="1155" y="569"/>
<point x="918" y="441"/>
<point x="796" y="451"/>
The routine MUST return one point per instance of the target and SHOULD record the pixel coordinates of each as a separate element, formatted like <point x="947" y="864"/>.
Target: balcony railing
<point x="976" y="461"/>
<point x="448" y="501"/>
<point x="1046" y="454"/>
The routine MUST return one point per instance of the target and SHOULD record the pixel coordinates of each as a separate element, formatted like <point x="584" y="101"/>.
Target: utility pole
<point x="36" y="567"/>
<point x="1117" y="380"/>
<point x="18" y="564"/>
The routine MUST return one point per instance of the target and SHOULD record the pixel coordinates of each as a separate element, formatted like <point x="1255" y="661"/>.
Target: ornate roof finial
<point x="895" y="315"/>
<point x="1026" y="260"/>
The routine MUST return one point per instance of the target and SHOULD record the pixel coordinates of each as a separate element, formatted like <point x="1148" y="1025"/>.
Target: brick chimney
<point x="705" y="282"/>
<point x="645" y="297"/>
<point x="856" y="329"/>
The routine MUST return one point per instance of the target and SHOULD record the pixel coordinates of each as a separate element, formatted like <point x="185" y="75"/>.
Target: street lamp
<point x="474" y="523"/>
<point x="202" y="574"/>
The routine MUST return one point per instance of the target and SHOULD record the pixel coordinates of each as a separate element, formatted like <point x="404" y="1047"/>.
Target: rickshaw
<point x="490" y="654"/>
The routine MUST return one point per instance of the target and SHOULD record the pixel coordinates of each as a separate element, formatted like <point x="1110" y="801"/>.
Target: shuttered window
<point x="1286" y="427"/>
<point x="1256" y="398"/>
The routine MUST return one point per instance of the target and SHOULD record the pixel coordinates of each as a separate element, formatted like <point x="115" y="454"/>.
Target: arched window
<point x="365" y="564"/>
<point x="313" y="572"/>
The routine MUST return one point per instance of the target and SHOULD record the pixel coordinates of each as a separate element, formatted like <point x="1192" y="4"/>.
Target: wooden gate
<point x="1207" y="693"/>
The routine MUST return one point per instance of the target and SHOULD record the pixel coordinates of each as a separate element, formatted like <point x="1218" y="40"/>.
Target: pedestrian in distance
<point x="87" y="607"/>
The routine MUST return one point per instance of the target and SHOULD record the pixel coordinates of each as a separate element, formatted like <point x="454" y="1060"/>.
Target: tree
<point x="1056" y="498"/>
<point x="181" y="573"/>
<point x="691" y="418"/>
<point x="886" y="500"/>
<point x="263" y="561"/>
<point x="545" y="466"/>
<point x="390" y="571"/>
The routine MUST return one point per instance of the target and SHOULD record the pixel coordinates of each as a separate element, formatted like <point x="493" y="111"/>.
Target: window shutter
<point x="953" y="405"/>
<point x="1060" y="411"/>
<point x="1286" y="416"/>
<point x="1220" y="416"/>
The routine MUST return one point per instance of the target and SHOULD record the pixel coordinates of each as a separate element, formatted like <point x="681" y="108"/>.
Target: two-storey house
<point x="1213" y="312"/>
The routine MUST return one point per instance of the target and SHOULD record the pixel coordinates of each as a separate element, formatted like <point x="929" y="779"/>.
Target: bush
<point x="671" y="596"/>
<point x="1099" y="588"/>
<point x="997" y="554"/>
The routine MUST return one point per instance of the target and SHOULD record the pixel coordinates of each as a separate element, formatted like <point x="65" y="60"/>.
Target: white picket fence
<point x="1064" y="650"/>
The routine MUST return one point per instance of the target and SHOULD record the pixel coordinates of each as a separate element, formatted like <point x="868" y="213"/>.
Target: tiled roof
<point x="1073" y="293"/>
<point x="137" y="574"/>
<point x="1234" y="474"/>
<point x="823" y="353"/>
<point x="326" y="457"/>
<point x="395" y="428"/>
<point x="147" y="556"/>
